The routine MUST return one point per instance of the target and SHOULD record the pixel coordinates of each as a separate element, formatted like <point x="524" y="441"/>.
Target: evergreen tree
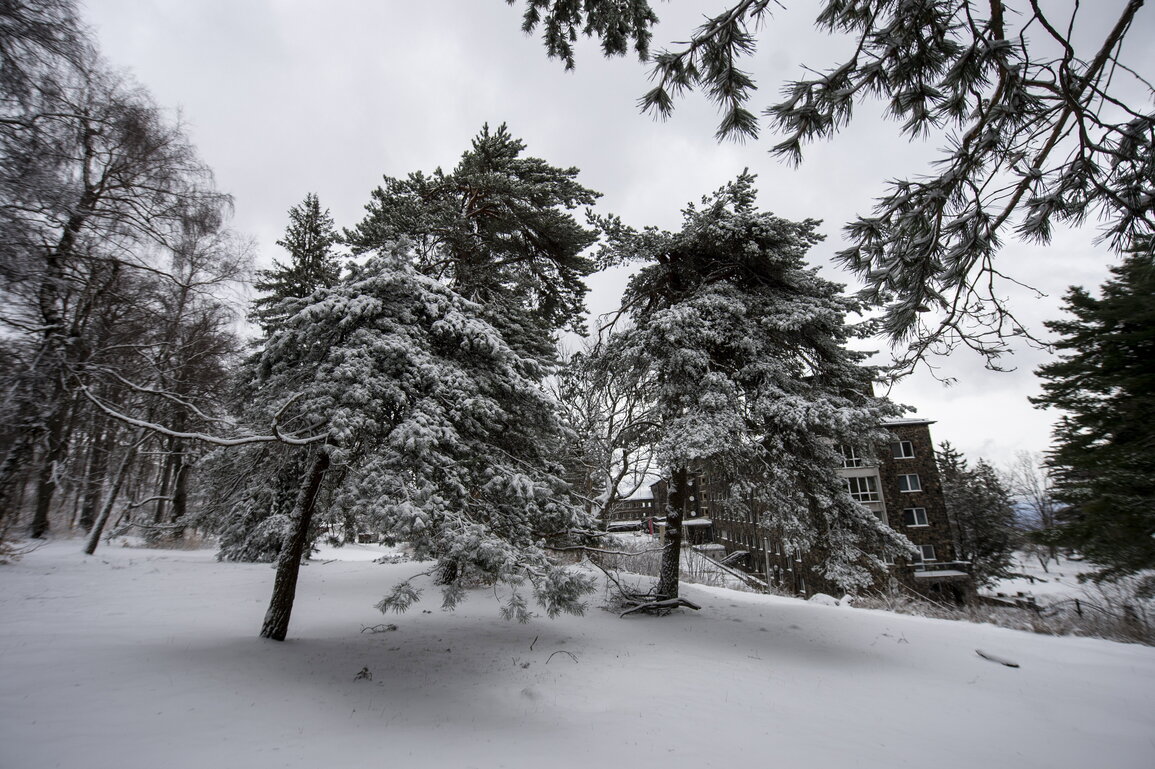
<point x="1103" y="453"/>
<point x="425" y="421"/>
<point x="309" y="239"/>
<point x="253" y="525"/>
<point x="499" y="231"/>
<point x="742" y="350"/>
<point x="981" y="512"/>
<point x="420" y="375"/>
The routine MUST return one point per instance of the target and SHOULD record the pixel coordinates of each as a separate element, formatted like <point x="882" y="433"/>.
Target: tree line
<point x="114" y="263"/>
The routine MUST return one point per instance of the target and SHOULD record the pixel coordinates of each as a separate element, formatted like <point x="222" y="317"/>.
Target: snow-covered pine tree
<point x="742" y="349"/>
<point x="428" y="422"/>
<point x="309" y="239"/>
<point x="254" y="520"/>
<point x="499" y="231"/>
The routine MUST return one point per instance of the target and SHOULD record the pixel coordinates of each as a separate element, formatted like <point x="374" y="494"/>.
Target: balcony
<point x="935" y="570"/>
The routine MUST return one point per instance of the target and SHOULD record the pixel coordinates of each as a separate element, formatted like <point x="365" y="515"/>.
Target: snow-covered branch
<point x="216" y="440"/>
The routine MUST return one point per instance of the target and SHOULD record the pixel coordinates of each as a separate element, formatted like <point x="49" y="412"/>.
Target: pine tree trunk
<point x="276" y="624"/>
<point x="670" y="572"/>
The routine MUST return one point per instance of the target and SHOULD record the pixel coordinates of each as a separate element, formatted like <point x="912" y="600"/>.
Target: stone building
<point x="632" y="514"/>
<point x="899" y="482"/>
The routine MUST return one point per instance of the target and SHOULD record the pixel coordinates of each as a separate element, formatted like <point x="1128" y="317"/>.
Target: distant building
<point x="898" y="481"/>
<point x="632" y="514"/>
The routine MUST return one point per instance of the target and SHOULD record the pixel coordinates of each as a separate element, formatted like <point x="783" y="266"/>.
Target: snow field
<point x="145" y="658"/>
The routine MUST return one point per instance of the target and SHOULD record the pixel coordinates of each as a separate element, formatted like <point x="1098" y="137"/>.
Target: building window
<point x="927" y="552"/>
<point x="909" y="482"/>
<point x="862" y="488"/>
<point x="851" y="457"/>
<point x="902" y="450"/>
<point x="914" y="516"/>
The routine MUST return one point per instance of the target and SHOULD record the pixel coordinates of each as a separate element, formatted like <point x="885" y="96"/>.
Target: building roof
<point x="640" y="493"/>
<point x="907" y="421"/>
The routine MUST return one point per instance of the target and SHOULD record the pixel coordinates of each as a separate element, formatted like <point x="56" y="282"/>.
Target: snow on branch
<point x="216" y="440"/>
<point x="172" y="397"/>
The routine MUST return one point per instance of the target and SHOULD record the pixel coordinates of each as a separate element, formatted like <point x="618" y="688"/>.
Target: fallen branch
<point x="382" y="628"/>
<point x="996" y="658"/>
<point x="120" y="529"/>
<point x="664" y="606"/>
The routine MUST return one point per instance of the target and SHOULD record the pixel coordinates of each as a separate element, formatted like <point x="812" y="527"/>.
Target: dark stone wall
<point x="937" y="532"/>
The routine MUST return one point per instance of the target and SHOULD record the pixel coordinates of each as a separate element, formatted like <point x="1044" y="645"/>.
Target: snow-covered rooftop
<point x="642" y="492"/>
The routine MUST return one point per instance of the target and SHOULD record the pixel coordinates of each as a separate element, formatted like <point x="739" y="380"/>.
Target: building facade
<point x="632" y="514"/>
<point x="899" y="482"/>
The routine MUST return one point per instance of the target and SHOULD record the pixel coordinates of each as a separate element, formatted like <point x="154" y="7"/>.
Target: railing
<point x="705" y="561"/>
<point x="942" y="566"/>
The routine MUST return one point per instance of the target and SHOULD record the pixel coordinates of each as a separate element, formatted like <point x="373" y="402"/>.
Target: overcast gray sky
<point x="285" y="97"/>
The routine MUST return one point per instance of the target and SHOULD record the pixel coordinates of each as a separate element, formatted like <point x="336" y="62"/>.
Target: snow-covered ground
<point x="1060" y="581"/>
<point x="145" y="658"/>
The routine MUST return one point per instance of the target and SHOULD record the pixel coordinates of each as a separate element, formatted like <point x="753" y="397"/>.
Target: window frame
<point x="913" y="518"/>
<point x="909" y="490"/>
<point x="863" y="497"/>
<point x="851" y="456"/>
<point x="897" y="450"/>
<point x="923" y="551"/>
